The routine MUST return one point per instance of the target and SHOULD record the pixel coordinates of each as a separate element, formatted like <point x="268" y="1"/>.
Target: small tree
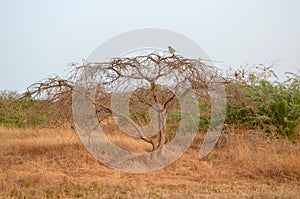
<point x="153" y="82"/>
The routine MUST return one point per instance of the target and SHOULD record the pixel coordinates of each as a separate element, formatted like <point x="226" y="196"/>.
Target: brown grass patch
<point x="44" y="163"/>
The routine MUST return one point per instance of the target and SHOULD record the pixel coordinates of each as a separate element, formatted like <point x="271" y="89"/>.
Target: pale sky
<point x="41" y="37"/>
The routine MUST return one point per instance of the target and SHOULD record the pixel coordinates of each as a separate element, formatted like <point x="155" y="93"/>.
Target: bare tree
<point x="153" y="83"/>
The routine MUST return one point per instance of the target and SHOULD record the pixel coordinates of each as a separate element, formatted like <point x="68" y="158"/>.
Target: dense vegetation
<point x="253" y="101"/>
<point x="17" y="113"/>
<point x="21" y="110"/>
<point x="271" y="106"/>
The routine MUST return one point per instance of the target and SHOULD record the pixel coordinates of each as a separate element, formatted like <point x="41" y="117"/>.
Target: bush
<point x="17" y="112"/>
<point x="263" y="103"/>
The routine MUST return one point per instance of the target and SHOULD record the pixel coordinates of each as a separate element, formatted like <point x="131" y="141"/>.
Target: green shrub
<point x="267" y="103"/>
<point x="16" y="112"/>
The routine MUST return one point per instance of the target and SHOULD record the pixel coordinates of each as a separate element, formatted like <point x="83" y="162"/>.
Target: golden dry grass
<point x="46" y="163"/>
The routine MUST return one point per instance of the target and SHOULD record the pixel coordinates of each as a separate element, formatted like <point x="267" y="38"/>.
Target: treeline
<point x="22" y="111"/>
<point x="253" y="102"/>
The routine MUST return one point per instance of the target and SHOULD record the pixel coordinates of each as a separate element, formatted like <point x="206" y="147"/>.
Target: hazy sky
<point x="41" y="37"/>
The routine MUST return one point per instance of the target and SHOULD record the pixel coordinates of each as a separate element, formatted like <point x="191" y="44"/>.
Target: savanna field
<point x="150" y="99"/>
<point x="256" y="156"/>
<point x="47" y="163"/>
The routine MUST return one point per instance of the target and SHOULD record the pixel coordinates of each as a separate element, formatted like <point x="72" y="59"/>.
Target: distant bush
<point x="265" y="104"/>
<point x="16" y="112"/>
<point x="285" y="106"/>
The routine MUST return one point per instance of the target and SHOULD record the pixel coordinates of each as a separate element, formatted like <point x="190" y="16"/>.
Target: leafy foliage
<point x="265" y="104"/>
<point x="17" y="113"/>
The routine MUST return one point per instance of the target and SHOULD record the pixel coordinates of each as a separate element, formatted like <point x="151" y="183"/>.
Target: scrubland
<point x="53" y="163"/>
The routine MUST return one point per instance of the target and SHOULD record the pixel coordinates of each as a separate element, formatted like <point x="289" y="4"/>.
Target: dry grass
<point x="47" y="163"/>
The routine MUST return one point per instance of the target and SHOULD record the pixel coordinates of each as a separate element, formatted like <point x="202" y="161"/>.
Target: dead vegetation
<point x="46" y="163"/>
<point x="153" y="82"/>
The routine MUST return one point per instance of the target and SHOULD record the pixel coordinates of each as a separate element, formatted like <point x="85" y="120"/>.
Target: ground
<point x="52" y="163"/>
